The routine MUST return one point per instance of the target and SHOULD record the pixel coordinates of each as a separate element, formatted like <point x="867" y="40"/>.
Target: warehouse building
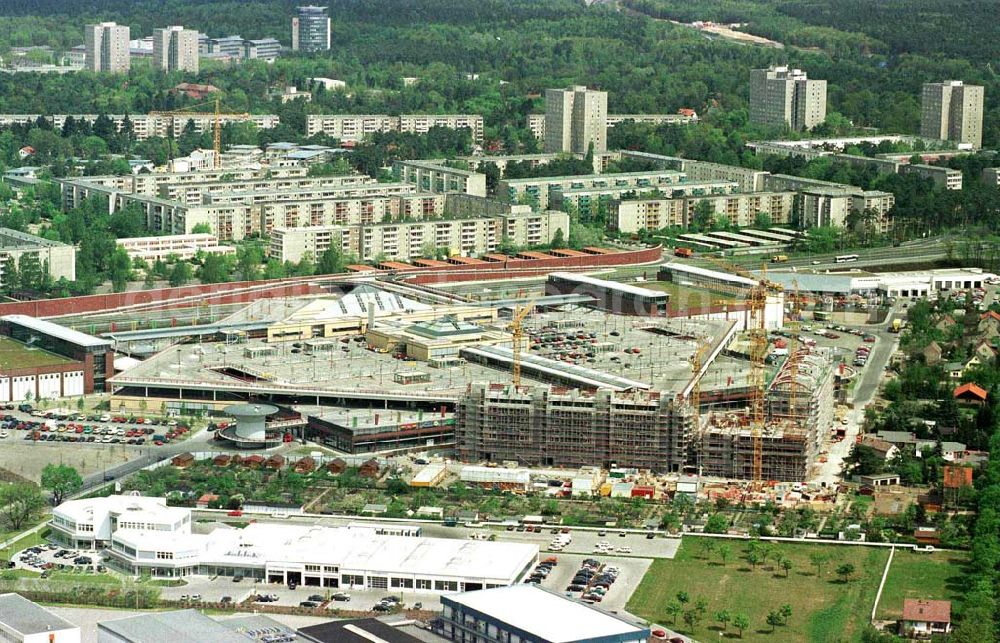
<point x="74" y="363"/>
<point x="612" y="296"/>
<point x="530" y="614"/>
<point x="22" y="621"/>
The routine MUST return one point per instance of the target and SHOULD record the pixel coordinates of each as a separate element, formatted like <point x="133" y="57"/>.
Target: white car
<point x="105" y="418"/>
<point x="4" y="434"/>
<point x="624" y="550"/>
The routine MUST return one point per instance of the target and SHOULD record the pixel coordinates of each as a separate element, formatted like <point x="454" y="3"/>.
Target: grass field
<point x="824" y="609"/>
<point x="938" y="576"/>
<point x="14" y="354"/>
<point x="683" y="297"/>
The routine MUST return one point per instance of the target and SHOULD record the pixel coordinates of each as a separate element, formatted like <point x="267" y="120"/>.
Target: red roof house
<point x="922" y="618"/>
<point x="970" y="392"/>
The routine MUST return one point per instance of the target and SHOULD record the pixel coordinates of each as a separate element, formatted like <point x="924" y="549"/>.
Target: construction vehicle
<point x="897" y="325"/>
<point x="217" y="125"/>
<point x="683" y="252"/>
<point x="779" y="258"/>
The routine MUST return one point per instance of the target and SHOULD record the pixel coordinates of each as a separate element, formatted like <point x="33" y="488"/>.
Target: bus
<point x="846" y="258"/>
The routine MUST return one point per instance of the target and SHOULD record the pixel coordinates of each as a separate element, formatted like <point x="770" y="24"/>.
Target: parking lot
<point x="55" y="426"/>
<point x="55" y="558"/>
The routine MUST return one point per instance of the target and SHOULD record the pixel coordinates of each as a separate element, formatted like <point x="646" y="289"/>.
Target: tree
<point x="741" y="622"/>
<point x="701" y="605"/>
<point x="755" y="557"/>
<point x="673" y="609"/>
<point x="201" y="228"/>
<point x="214" y="269"/>
<point x="786" y="613"/>
<point x="707" y="545"/>
<point x="61" y="480"/>
<point x="558" y="239"/>
<point x="331" y="261"/>
<point x="725" y="553"/>
<point x="723" y="617"/>
<point x="683" y="597"/>
<point x="249" y="258"/>
<point x="180" y="274"/>
<point x="20" y="501"/>
<point x="773" y="619"/>
<point x="786" y="565"/>
<point x="845" y="571"/>
<point x="717" y="523"/>
<point x="120" y="268"/>
<point x="691" y="618"/>
<point x="818" y="560"/>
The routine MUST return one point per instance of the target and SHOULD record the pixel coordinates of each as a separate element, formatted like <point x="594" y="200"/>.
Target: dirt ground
<point x="27" y="459"/>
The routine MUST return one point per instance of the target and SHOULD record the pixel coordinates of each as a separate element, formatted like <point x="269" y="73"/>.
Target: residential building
<point x="952" y="111"/>
<point x="18" y="249"/>
<point x="784" y="97"/>
<point x="943" y="177"/>
<point x="576" y="120"/>
<point x="747" y="179"/>
<point x="924" y="618"/>
<point x="175" y="49"/>
<point x="737" y="209"/>
<point x="329" y="84"/>
<point x="353" y="128"/>
<point x="991" y="176"/>
<point x="291" y="92"/>
<point x="146" y="125"/>
<point x="107" y="47"/>
<point x="536" y="122"/>
<point x="181" y="246"/>
<point x="22" y="621"/>
<point x="824" y="203"/>
<point x="539" y="191"/>
<point x="310" y="29"/>
<point x="529" y="613"/>
<point x="438" y="178"/>
<point x="470" y="236"/>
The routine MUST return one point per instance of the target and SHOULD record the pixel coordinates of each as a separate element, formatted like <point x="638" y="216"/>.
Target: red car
<point x="236" y="513"/>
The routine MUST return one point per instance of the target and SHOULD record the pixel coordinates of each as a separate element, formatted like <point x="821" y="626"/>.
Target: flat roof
<point x="543" y="614"/>
<point x="612" y="285"/>
<point x="181" y="626"/>
<point x="14" y="355"/>
<point x="26" y="617"/>
<point x="708" y="274"/>
<point x="366" y="630"/>
<point x="55" y="330"/>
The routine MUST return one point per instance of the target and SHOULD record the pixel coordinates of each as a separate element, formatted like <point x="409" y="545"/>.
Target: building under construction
<point x="799" y="406"/>
<point x="539" y="425"/>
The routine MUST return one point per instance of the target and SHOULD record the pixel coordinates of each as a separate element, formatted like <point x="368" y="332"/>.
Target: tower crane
<point x="756" y="301"/>
<point x="517" y="334"/>
<point x="216" y="115"/>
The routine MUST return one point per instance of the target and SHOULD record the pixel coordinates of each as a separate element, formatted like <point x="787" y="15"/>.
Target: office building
<point x="528" y="613"/>
<point x="310" y="29"/>
<point x="175" y="49"/>
<point x="783" y="97"/>
<point x="952" y="111"/>
<point x="576" y="118"/>
<point x="22" y="621"/>
<point x="266" y="49"/>
<point x="107" y="47"/>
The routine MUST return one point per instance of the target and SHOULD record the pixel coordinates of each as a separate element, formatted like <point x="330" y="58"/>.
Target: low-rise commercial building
<point x="87" y="361"/>
<point x="527" y="613"/>
<point x="181" y="246"/>
<point x="156" y="540"/>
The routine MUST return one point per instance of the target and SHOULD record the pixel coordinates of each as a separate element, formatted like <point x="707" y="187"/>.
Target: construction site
<point x="611" y="374"/>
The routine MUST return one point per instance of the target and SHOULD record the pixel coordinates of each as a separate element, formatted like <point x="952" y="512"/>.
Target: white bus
<point x="846" y="258"/>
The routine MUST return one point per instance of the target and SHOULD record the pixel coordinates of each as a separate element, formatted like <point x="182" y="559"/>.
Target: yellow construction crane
<point x="793" y="341"/>
<point x="217" y="123"/>
<point x="517" y="334"/>
<point x="756" y="301"/>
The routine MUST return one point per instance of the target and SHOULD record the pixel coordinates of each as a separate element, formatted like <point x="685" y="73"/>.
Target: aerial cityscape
<point x="537" y="321"/>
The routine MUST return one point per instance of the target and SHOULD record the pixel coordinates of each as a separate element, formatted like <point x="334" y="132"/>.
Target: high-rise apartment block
<point x="175" y="49"/>
<point x="106" y="47"/>
<point x="575" y="119"/>
<point x="952" y="111"/>
<point x="310" y="29"/>
<point x="783" y="97"/>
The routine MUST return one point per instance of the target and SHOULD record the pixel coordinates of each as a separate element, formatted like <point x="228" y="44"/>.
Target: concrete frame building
<point x="439" y="178"/>
<point x="545" y="426"/>
<point x="58" y="259"/>
<point x="310" y="29"/>
<point x="739" y="209"/>
<point x="541" y="190"/>
<point x="952" y="111"/>
<point x="146" y="125"/>
<point x="182" y="246"/>
<point x="175" y="49"/>
<point x="107" y="47"/>
<point x="943" y="177"/>
<point x="353" y="128"/>
<point x="576" y="119"/>
<point x="93" y="357"/>
<point x="783" y="97"/>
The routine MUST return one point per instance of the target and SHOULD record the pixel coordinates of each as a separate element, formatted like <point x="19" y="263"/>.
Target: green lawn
<point x="823" y="608"/>
<point x="14" y="354"/>
<point x="939" y="576"/>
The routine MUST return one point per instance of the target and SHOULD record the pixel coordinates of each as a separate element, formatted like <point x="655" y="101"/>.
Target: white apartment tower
<point x="783" y="97"/>
<point x="952" y="111"/>
<point x="575" y="118"/>
<point x="106" y="46"/>
<point x="175" y="49"/>
<point x="310" y="29"/>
